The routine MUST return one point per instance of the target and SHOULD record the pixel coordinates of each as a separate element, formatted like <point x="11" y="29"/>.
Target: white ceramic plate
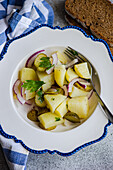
<point x="14" y="123"/>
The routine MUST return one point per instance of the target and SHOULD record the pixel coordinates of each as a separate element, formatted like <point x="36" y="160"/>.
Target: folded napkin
<point x="15" y="154"/>
<point x="18" y="17"/>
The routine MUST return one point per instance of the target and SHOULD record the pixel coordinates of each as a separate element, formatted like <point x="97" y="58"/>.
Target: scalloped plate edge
<point x="2" y="132"/>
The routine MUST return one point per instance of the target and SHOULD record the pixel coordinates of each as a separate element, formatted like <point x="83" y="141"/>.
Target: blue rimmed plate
<point x="14" y="125"/>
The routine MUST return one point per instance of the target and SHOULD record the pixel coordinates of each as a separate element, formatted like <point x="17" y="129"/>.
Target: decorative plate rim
<point x="2" y="132"/>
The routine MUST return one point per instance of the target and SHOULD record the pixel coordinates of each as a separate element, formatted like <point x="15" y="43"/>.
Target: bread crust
<point x="72" y="21"/>
<point x="104" y="28"/>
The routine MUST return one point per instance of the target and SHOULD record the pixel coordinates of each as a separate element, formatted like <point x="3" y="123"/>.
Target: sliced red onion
<point x="55" y="61"/>
<point x="82" y="85"/>
<point x="15" y="86"/>
<point x="17" y="92"/>
<point x="31" y="59"/>
<point x="29" y="102"/>
<point x="90" y="94"/>
<point x="70" y="85"/>
<point x="80" y="81"/>
<point x="71" y="63"/>
<point x="20" y="98"/>
<point x="22" y="91"/>
<point x="50" y="70"/>
<point x="65" y="90"/>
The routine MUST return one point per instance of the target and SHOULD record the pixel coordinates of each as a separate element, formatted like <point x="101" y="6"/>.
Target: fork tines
<point x="69" y="54"/>
<point x="72" y="54"/>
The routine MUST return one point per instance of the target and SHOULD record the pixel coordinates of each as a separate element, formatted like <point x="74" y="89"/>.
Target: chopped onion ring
<point x="71" y="63"/>
<point x="23" y="92"/>
<point x="83" y="85"/>
<point x="31" y="59"/>
<point x="65" y="90"/>
<point x="15" y="86"/>
<point x="17" y="92"/>
<point x="90" y="94"/>
<point x="70" y="85"/>
<point x="20" y="98"/>
<point x="79" y="81"/>
<point x="55" y="61"/>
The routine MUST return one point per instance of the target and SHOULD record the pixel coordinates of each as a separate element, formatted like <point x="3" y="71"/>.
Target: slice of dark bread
<point x="74" y="22"/>
<point x="95" y="15"/>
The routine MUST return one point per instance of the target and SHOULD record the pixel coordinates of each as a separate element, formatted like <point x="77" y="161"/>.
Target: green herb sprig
<point x="32" y="85"/>
<point x="41" y="96"/>
<point x="45" y="63"/>
<point x="57" y="119"/>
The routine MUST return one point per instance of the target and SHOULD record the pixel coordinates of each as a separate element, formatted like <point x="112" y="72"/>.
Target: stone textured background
<point x="98" y="156"/>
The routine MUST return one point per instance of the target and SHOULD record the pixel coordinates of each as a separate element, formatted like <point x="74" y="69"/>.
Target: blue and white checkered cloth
<point x="18" y="17"/>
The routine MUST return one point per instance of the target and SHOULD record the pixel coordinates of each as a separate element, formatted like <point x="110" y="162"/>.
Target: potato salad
<point x="55" y="89"/>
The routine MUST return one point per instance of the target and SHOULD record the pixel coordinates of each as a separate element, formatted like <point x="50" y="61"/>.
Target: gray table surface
<point x="98" y="156"/>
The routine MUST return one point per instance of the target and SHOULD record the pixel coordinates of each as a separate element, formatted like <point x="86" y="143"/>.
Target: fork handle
<point x="104" y="107"/>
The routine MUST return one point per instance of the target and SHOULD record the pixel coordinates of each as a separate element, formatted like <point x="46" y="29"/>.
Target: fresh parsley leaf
<point x="45" y="58"/>
<point x="45" y="63"/>
<point x="41" y="96"/>
<point x="58" y="90"/>
<point x="50" y="67"/>
<point x="32" y="85"/>
<point x="57" y="119"/>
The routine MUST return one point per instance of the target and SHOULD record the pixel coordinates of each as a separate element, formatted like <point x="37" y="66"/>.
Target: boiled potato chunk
<point x="77" y="92"/>
<point x="27" y="74"/>
<point x="29" y="95"/>
<point x="53" y="101"/>
<point x="70" y="74"/>
<point x="59" y="74"/>
<point x="47" y="78"/>
<point x="61" y="57"/>
<point x="48" y="129"/>
<point x="79" y="105"/>
<point x="38" y="60"/>
<point x="82" y="70"/>
<point x="62" y="109"/>
<point x="49" y="120"/>
<point x="38" y="102"/>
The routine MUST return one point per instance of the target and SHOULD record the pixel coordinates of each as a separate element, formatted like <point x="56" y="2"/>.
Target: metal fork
<point x="72" y="54"/>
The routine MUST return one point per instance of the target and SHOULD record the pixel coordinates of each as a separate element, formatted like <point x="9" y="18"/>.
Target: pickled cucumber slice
<point x="39" y="102"/>
<point x="42" y="110"/>
<point x="55" y="91"/>
<point x="72" y="117"/>
<point x="32" y="115"/>
<point x="38" y="61"/>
